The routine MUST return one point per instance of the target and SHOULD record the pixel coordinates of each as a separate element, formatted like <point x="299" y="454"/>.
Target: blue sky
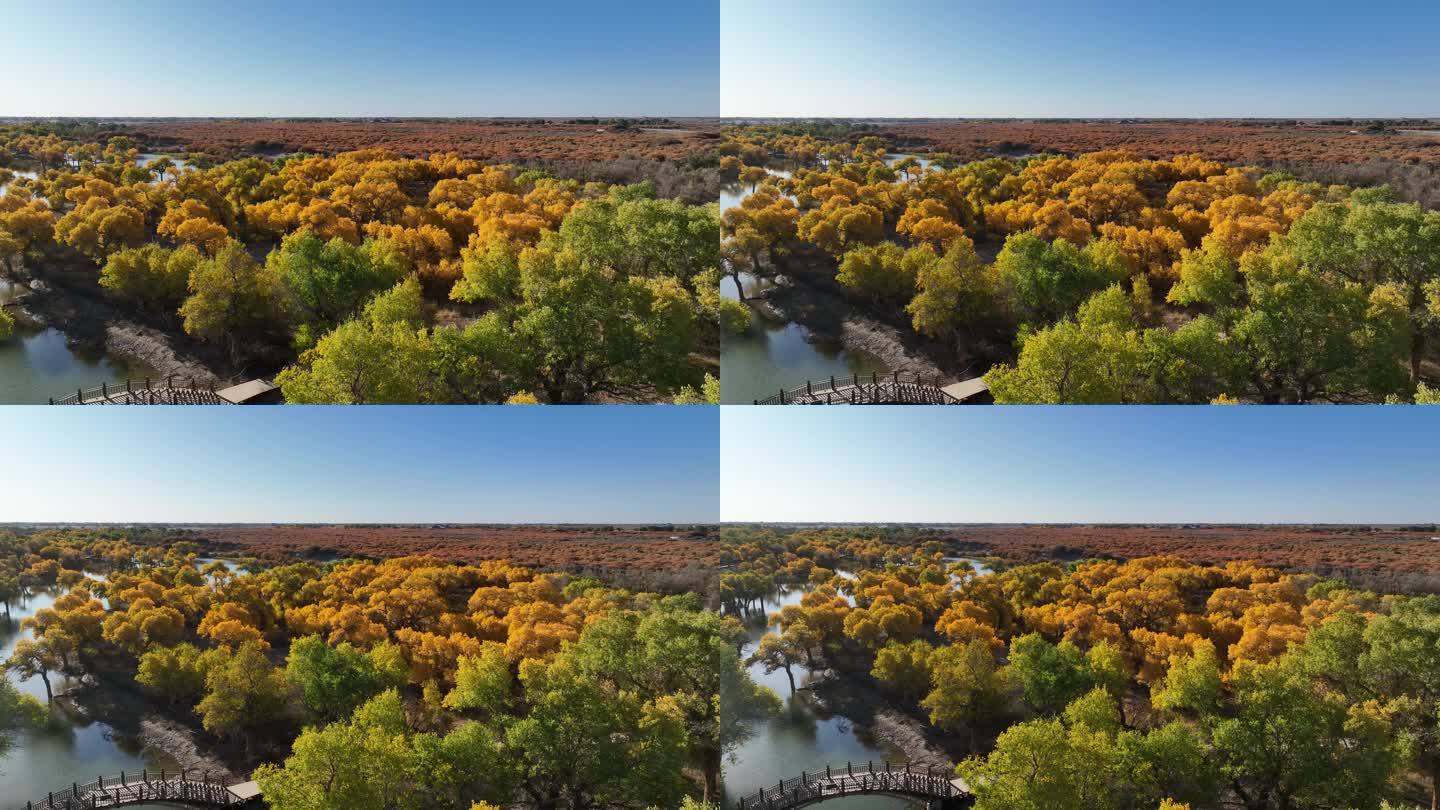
<point x="612" y="464"/>
<point x="360" y="58"/>
<point x="1059" y="58"/>
<point x="1075" y="464"/>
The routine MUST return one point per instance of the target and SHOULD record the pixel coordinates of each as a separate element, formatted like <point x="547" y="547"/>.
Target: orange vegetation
<point x="1326" y="549"/>
<point x="550" y="547"/>
<point x="476" y="139"/>
<point x="1255" y="142"/>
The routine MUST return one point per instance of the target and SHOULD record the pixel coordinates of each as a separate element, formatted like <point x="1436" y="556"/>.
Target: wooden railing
<point x="185" y="787"/>
<point x="893" y="388"/>
<point x="145" y="392"/>
<point x="855" y="779"/>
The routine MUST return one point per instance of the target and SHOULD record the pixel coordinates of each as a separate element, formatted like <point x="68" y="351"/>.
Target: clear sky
<point x="1208" y="464"/>
<point x="359" y="58"/>
<point x="1060" y="58"/>
<point x="431" y="464"/>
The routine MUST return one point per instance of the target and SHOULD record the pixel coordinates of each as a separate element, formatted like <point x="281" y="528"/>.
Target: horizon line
<point x="353" y="116"/>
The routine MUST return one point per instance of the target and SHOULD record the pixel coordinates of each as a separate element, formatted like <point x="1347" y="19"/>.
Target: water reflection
<point x="75" y="748"/>
<point x="775" y="354"/>
<point x="800" y="738"/>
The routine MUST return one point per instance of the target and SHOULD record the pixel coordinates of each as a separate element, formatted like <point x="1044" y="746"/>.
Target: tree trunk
<point x="739" y="288"/>
<point x="45" y="679"/>
<point x="710" y="765"/>
<point x="1435" y="783"/>
<point x="1417" y="350"/>
<point x="791" y="676"/>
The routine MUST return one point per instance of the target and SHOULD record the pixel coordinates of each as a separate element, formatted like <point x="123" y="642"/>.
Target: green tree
<point x="243" y="692"/>
<point x="1099" y="358"/>
<point x="1291" y="744"/>
<point x="1191" y="684"/>
<point x="580" y="744"/>
<point x="1049" y="675"/>
<point x="18" y="712"/>
<point x="468" y="765"/>
<point x="231" y="300"/>
<point x="36" y="658"/>
<point x="904" y="668"/>
<point x="387" y="356"/>
<point x="1171" y="761"/>
<point x="1306" y="337"/>
<point x="361" y="764"/>
<point x="1051" y="279"/>
<point x="151" y="275"/>
<point x="483" y="682"/>
<point x="680" y="654"/>
<point x="969" y="688"/>
<point x="581" y="329"/>
<point x="955" y="294"/>
<point x="1210" y="277"/>
<point x="324" y="283"/>
<point x="709" y="393"/>
<point x="334" y="681"/>
<point x="885" y="273"/>
<point x="1108" y="669"/>
<point x="1376" y="243"/>
<point x="1042" y="765"/>
<point x="1394" y="660"/>
<point x="177" y="673"/>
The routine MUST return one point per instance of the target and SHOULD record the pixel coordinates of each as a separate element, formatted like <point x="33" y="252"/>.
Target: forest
<point x="407" y="682"/>
<point x="1151" y="682"/>
<point x="367" y="277"/>
<point x="1101" y="277"/>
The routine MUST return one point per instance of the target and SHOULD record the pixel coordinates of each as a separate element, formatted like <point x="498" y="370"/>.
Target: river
<point x="801" y="738"/>
<point x="76" y="749"/>
<point x="774" y="354"/>
<point x="35" y="362"/>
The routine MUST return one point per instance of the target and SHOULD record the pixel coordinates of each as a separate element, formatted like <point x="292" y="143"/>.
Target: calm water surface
<point x="76" y="750"/>
<point x="772" y="354"/>
<point x="800" y="739"/>
<point x="35" y="363"/>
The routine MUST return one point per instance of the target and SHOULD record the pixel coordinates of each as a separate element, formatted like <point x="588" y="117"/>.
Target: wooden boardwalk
<point x="168" y="391"/>
<point x="171" y="391"/>
<point x="881" y="389"/>
<point x="940" y="790"/>
<point x="186" y="788"/>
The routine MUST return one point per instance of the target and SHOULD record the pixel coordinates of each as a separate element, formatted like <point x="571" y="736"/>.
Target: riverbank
<point x="67" y="300"/>
<point x="164" y="738"/>
<point x="830" y="318"/>
<point x="111" y="696"/>
<point x="847" y="695"/>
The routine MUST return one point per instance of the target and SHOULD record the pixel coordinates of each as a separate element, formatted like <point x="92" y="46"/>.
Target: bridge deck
<point x="875" y="389"/>
<point x="123" y="791"/>
<point x="146" y="396"/>
<point x="858" y="780"/>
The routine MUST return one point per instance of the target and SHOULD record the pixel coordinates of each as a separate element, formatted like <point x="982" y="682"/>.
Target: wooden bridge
<point x="939" y="790"/>
<point x="882" y="389"/>
<point x="188" y="787"/>
<point x="171" y="391"/>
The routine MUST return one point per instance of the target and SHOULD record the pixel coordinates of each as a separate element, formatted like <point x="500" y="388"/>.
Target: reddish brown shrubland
<point x="490" y="140"/>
